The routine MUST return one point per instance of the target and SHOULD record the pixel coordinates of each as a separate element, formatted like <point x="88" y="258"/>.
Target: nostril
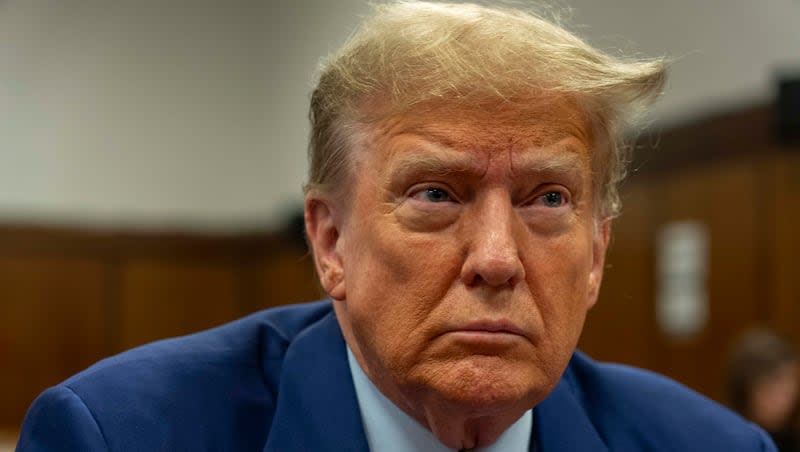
<point x="494" y="272"/>
<point x="476" y="280"/>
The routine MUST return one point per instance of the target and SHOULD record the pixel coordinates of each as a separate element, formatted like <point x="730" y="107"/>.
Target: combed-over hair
<point x="409" y="53"/>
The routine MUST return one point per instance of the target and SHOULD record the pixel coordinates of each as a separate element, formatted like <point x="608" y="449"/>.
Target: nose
<point x="493" y="256"/>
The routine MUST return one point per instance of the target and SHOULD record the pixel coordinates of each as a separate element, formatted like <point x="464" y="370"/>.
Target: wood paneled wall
<point x="69" y="297"/>
<point x="52" y="323"/>
<point x="727" y="174"/>
<point x="783" y="280"/>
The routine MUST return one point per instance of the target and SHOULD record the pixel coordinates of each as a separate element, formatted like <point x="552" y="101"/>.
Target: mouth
<point x="488" y="330"/>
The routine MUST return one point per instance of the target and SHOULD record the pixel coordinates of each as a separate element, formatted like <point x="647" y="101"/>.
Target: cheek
<point x="560" y="263"/>
<point x="384" y="259"/>
<point x="558" y="276"/>
<point x="394" y="279"/>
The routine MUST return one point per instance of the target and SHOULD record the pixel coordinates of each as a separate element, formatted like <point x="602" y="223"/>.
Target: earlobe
<point x="600" y="241"/>
<point x="323" y="236"/>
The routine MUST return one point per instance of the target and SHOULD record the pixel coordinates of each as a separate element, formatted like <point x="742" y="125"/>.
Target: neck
<point x="456" y="425"/>
<point x="466" y="433"/>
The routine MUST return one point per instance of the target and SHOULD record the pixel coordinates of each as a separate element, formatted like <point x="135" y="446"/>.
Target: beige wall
<point x="192" y="114"/>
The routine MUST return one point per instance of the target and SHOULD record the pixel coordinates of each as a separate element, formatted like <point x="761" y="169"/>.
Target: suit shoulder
<point x="58" y="420"/>
<point x="633" y="407"/>
<point x="238" y="345"/>
<point x="171" y="389"/>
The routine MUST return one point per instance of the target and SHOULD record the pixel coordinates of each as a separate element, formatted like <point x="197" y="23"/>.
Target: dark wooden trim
<point x="110" y="243"/>
<point x="706" y="141"/>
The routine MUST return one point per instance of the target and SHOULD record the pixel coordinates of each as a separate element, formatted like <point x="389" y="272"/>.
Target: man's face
<point x="467" y="255"/>
<point x="774" y="397"/>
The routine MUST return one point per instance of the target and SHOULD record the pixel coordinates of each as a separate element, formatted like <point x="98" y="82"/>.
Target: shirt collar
<point x="389" y="428"/>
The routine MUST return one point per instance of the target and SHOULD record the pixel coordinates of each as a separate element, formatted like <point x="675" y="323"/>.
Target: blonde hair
<point x="409" y="53"/>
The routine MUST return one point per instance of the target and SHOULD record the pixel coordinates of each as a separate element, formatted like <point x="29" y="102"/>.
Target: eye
<point x="553" y="199"/>
<point x="433" y="194"/>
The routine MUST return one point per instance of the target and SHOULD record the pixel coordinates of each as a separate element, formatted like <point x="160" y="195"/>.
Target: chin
<point x="484" y="385"/>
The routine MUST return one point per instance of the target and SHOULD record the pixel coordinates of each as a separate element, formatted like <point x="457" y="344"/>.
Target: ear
<point x="602" y="235"/>
<point x="323" y="234"/>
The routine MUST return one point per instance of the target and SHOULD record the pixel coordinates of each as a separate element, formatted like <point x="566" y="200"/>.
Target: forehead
<point x="543" y="127"/>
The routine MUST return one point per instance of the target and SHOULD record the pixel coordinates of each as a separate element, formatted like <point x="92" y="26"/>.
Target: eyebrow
<point x="436" y="166"/>
<point x="564" y="161"/>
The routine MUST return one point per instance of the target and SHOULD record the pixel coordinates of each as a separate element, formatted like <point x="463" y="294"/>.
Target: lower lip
<point x="493" y="337"/>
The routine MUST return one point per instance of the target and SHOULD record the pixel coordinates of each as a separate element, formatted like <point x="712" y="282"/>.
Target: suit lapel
<point x="317" y="406"/>
<point x="560" y="424"/>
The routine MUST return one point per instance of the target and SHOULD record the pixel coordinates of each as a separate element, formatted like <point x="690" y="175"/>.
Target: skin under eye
<point x="429" y="208"/>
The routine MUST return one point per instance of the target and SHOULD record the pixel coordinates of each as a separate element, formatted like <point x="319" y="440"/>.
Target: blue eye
<point x="435" y="195"/>
<point x="552" y="199"/>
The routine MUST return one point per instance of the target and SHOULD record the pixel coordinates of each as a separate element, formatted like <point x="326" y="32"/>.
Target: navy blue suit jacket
<point x="279" y="380"/>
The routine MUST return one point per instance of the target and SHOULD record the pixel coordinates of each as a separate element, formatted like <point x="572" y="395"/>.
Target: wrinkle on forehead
<point x="528" y="138"/>
<point x="501" y="126"/>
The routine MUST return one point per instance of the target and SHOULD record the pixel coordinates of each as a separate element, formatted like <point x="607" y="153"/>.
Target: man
<point x="464" y="162"/>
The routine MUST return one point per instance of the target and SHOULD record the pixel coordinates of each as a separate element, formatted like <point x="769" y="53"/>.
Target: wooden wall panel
<point x="70" y="297"/>
<point x="53" y="323"/>
<point x="785" y="244"/>
<point x="164" y="298"/>
<point x="284" y="278"/>
<point x="725" y="197"/>
<point x="619" y="326"/>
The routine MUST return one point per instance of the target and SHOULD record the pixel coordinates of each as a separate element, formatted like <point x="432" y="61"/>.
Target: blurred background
<point x="152" y="155"/>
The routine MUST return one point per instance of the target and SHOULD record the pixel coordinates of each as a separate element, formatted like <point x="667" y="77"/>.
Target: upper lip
<point x="492" y="326"/>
